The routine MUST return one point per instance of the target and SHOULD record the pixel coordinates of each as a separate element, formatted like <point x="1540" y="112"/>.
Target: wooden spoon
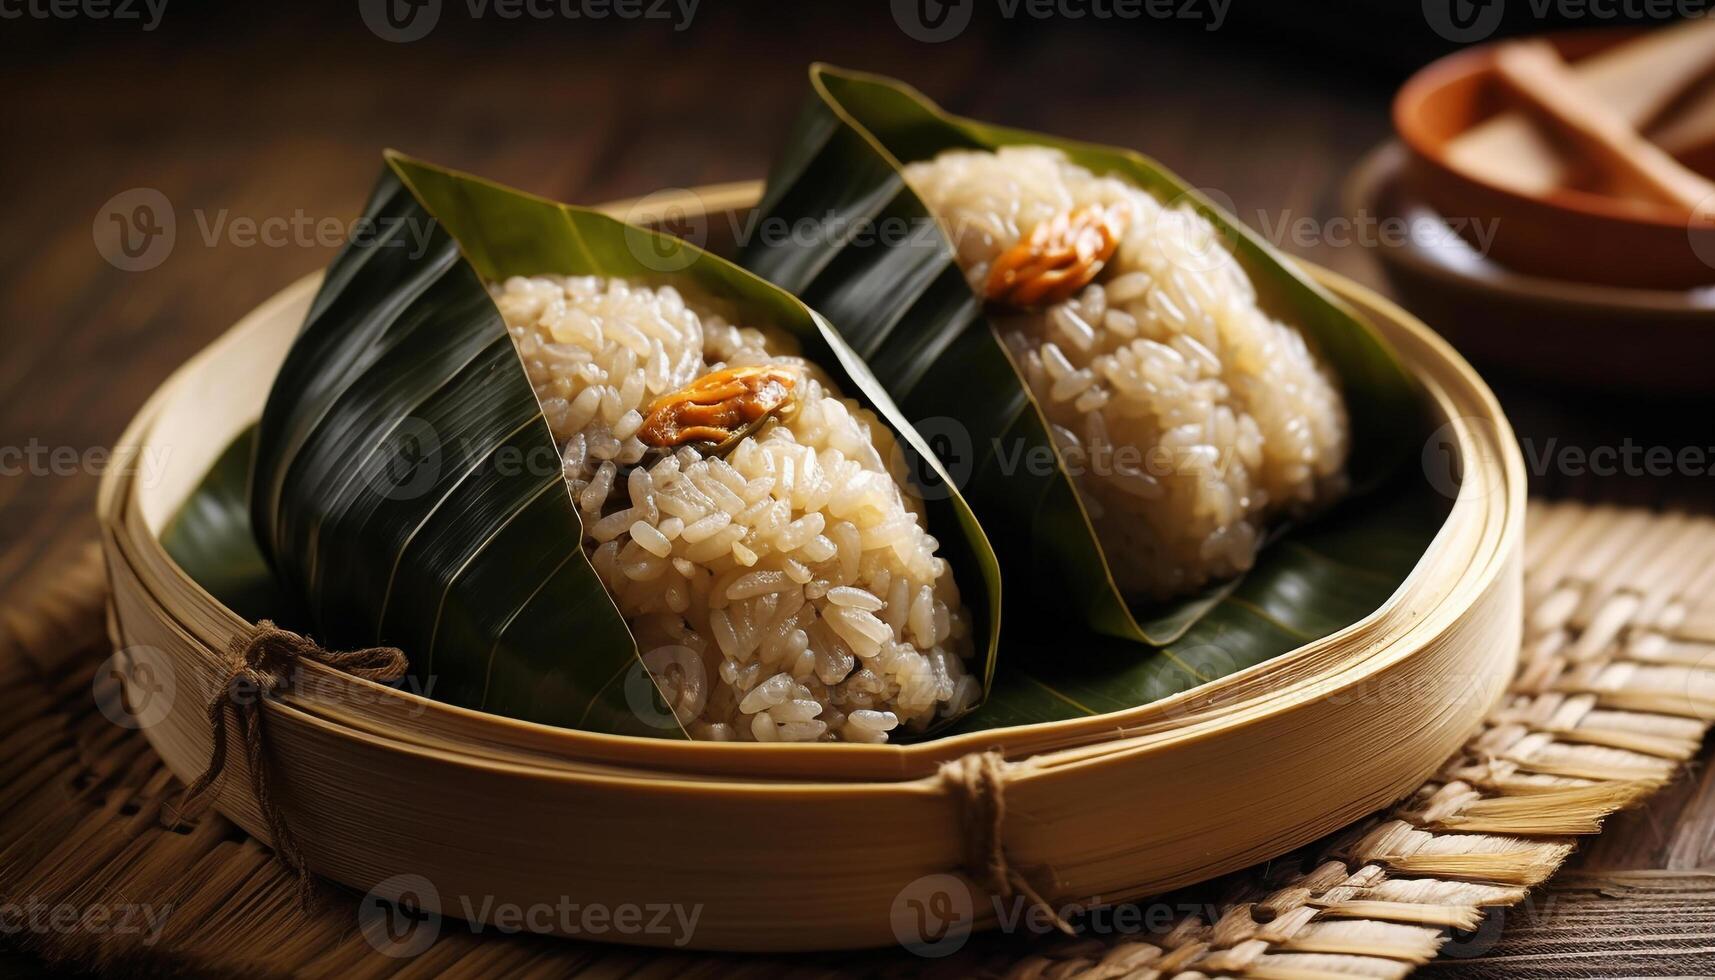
<point x="1637" y="80"/>
<point x="1691" y="125"/>
<point x="1535" y="71"/>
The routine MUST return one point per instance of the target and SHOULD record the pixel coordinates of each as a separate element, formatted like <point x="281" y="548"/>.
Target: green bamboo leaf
<point x="407" y="489"/>
<point x="1315" y="581"/>
<point x="210" y="538"/>
<point x="902" y="301"/>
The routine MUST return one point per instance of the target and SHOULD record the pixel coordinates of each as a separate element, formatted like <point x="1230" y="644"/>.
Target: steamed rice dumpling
<point x="1188" y="417"/>
<point x="748" y="521"/>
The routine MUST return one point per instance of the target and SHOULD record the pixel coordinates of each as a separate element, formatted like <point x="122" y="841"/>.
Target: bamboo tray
<point x="790" y="847"/>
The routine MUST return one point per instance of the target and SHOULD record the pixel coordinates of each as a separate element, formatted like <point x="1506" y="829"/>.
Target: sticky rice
<point x="1190" y="419"/>
<point x="781" y="587"/>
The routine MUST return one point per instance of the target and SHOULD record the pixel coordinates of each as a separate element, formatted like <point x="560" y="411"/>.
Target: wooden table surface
<point x="279" y="123"/>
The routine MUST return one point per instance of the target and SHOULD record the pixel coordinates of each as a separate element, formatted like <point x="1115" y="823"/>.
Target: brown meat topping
<point x="1059" y="257"/>
<point x="716" y="406"/>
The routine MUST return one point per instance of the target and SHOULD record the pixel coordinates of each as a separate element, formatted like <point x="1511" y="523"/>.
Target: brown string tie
<point x="263" y="658"/>
<point x="978" y="781"/>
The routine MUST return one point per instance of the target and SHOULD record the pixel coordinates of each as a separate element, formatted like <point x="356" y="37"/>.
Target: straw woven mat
<point x="1615" y="689"/>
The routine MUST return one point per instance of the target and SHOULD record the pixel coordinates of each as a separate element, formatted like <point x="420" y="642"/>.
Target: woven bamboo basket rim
<point x="1456" y="612"/>
<point x="1619" y="609"/>
<point x="1633" y="597"/>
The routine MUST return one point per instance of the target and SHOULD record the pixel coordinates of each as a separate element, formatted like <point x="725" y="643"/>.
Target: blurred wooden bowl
<point x="1571" y="234"/>
<point x="1598" y="336"/>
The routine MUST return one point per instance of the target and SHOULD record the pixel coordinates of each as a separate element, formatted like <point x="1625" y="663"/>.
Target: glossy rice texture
<point x="788" y="592"/>
<point x="1189" y="417"/>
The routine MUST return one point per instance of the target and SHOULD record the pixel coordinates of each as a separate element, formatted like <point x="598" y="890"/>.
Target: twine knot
<point x="978" y="782"/>
<point x="263" y="659"/>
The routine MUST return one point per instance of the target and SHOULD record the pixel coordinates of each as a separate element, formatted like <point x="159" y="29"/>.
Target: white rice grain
<point x="1192" y="419"/>
<point x="793" y="568"/>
